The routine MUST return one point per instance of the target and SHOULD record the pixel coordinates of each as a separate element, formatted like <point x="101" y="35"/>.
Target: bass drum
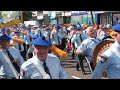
<point x="99" y="50"/>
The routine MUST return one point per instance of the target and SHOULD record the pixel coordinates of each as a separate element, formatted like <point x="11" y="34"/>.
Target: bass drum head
<point x="99" y="49"/>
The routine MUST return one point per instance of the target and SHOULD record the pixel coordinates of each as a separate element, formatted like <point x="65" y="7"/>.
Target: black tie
<point x="46" y="69"/>
<point x="30" y="38"/>
<point x="49" y="38"/>
<point x="80" y="38"/>
<point x="12" y="60"/>
<point x="58" y="40"/>
<point x="19" y="47"/>
<point x="40" y="34"/>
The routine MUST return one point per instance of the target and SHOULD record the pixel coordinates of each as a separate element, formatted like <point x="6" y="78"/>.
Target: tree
<point x="27" y="15"/>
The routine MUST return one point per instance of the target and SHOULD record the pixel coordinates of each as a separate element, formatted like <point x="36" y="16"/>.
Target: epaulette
<point x="103" y="58"/>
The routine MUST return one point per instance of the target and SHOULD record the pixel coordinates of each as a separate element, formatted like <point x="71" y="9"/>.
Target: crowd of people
<point x="30" y="56"/>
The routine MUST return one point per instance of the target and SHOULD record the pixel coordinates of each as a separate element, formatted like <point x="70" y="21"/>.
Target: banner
<point x="9" y="18"/>
<point x="75" y="13"/>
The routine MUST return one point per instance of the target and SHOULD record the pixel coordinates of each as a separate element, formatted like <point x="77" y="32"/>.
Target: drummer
<point x="110" y="59"/>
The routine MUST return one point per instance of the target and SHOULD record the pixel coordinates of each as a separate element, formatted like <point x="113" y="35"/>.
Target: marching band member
<point x="10" y="59"/>
<point x="56" y="36"/>
<point x="78" y="37"/>
<point x="63" y="32"/>
<point x="35" y="29"/>
<point x="48" y="34"/>
<point x="40" y="30"/>
<point x="2" y="31"/>
<point x="72" y="33"/>
<point x="8" y="32"/>
<point x="30" y="52"/>
<point x="88" y="45"/>
<point x="110" y="59"/>
<point x="19" y="46"/>
<point x="42" y="65"/>
<point x="28" y="38"/>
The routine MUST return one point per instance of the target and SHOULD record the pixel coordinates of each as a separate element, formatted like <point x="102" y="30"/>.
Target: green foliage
<point x="27" y="15"/>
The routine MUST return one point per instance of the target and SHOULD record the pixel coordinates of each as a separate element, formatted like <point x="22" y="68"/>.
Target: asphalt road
<point x="70" y="66"/>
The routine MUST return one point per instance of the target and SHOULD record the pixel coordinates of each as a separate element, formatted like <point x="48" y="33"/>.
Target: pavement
<point x="70" y="66"/>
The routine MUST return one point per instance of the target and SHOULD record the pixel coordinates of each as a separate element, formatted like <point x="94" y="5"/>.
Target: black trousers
<point x="30" y="55"/>
<point x="23" y="53"/>
<point x="81" y="58"/>
<point x="63" y="44"/>
<point x="58" y="46"/>
<point x="73" y="52"/>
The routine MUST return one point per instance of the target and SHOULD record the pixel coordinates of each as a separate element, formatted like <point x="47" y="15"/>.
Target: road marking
<point x="75" y="77"/>
<point x="69" y="60"/>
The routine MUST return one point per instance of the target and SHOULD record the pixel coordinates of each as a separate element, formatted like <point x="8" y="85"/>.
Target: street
<point x="70" y="66"/>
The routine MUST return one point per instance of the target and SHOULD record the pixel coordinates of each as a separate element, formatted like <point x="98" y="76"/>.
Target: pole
<point x="21" y="13"/>
<point x="92" y="18"/>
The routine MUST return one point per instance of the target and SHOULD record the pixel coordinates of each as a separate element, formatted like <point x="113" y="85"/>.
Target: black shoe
<point x="83" y="73"/>
<point x="73" y="57"/>
<point x="77" y="67"/>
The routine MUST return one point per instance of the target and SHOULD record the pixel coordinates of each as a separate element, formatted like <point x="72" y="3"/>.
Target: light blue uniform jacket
<point x="5" y="69"/>
<point x="30" y="71"/>
<point x="77" y="40"/>
<point x="111" y="64"/>
<point x="88" y="46"/>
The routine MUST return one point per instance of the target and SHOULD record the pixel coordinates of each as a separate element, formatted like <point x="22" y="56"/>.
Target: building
<point x="82" y="16"/>
<point x="107" y="17"/>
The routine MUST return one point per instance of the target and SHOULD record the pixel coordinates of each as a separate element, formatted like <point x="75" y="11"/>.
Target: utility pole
<point x="92" y="18"/>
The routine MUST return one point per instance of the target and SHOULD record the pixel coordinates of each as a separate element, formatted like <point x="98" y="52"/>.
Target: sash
<point x="116" y="52"/>
<point x="41" y="70"/>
